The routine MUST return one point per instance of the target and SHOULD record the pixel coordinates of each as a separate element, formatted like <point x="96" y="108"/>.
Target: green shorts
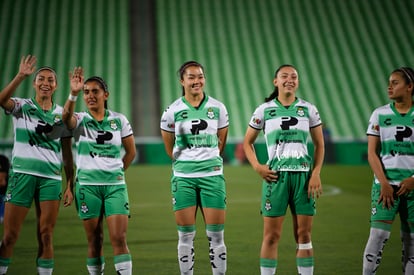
<point x="291" y="190"/>
<point x="24" y="188"/>
<point x="92" y="201"/>
<point x="404" y="205"/>
<point x="206" y="192"/>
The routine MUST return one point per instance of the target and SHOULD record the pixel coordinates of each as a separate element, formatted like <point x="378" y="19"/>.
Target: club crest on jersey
<point x="300" y="111"/>
<point x="210" y="113"/>
<point x="373" y="211"/>
<point x="84" y="208"/>
<point x="113" y="125"/>
<point x="268" y="205"/>
<point x="57" y="118"/>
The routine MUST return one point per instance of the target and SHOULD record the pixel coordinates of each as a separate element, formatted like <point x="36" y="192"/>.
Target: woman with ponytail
<point x="291" y="176"/>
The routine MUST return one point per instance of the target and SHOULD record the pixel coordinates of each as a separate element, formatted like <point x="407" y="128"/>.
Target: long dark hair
<point x="275" y="92"/>
<point x="101" y="84"/>
<point x="184" y="67"/>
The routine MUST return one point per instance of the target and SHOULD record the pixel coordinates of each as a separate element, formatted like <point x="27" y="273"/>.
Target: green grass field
<point x="340" y="229"/>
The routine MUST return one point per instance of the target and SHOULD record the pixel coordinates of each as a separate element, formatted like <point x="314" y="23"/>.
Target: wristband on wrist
<point x="72" y="97"/>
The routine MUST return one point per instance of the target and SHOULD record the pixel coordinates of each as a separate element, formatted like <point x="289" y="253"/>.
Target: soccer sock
<point x="123" y="264"/>
<point x="4" y="264"/>
<point x="44" y="266"/>
<point x="407" y="239"/>
<point x="44" y="271"/>
<point x="185" y="249"/>
<point x="218" y="251"/>
<point x="305" y="264"/>
<point x="268" y="266"/>
<point x="95" y="266"/>
<point x="379" y="235"/>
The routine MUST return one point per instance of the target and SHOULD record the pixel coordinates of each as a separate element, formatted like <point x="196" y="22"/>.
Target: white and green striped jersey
<point x="37" y="148"/>
<point x="196" y="151"/>
<point x="99" y="148"/>
<point x="286" y="131"/>
<point x="396" y="133"/>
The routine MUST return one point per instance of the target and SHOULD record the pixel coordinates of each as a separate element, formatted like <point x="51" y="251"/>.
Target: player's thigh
<point x="184" y="193"/>
<point x="406" y="211"/>
<point x="89" y="201"/>
<point x="302" y="227"/>
<point x="117" y="227"/>
<point x="14" y="216"/>
<point x="378" y="212"/>
<point x="94" y="231"/>
<point x="272" y="227"/>
<point x="212" y="192"/>
<point x="186" y="216"/>
<point x="116" y="200"/>
<point x="47" y="212"/>
<point x="214" y="215"/>
<point x="49" y="189"/>
<point x="21" y="189"/>
<point x="275" y="197"/>
<point x="301" y="203"/>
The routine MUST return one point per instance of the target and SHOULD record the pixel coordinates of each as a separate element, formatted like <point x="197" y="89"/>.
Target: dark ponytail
<point x="272" y="95"/>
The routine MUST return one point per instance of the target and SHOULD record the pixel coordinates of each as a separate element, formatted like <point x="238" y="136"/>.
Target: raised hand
<point x="76" y="80"/>
<point x="27" y="65"/>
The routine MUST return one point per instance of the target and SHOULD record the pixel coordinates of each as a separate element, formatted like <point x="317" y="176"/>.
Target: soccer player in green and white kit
<point x="42" y="145"/>
<point x="194" y="129"/>
<point x="101" y="190"/>
<point x="391" y="157"/>
<point x="291" y="176"/>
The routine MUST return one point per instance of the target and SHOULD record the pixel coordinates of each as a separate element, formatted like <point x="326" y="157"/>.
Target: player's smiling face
<point x="94" y="95"/>
<point x="287" y="80"/>
<point x="45" y="83"/>
<point x="398" y="88"/>
<point x="193" y="80"/>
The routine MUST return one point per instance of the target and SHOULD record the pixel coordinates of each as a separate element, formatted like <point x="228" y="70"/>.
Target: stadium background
<point x="343" y="50"/>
